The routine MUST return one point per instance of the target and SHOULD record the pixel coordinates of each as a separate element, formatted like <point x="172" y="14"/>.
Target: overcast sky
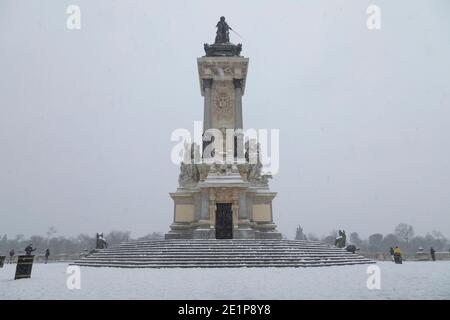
<point x="86" y="115"/>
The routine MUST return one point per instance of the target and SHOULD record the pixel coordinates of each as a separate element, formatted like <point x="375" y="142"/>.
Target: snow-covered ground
<point x="412" y="280"/>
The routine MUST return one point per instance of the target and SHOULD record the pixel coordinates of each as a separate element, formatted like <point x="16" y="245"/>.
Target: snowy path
<point x="412" y="280"/>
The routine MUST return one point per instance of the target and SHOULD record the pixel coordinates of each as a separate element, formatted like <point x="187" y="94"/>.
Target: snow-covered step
<point x="241" y="265"/>
<point x="212" y="253"/>
<point x="219" y="251"/>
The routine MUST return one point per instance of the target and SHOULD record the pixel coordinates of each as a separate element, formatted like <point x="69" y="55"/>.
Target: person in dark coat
<point x="29" y="249"/>
<point x="47" y="254"/>
<point x="391" y="252"/>
<point x="432" y="252"/>
<point x="11" y="255"/>
<point x="397" y="255"/>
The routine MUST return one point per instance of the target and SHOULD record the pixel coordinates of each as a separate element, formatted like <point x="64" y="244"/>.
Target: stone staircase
<point x="220" y="254"/>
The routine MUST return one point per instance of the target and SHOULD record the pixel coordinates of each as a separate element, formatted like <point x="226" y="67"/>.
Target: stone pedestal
<point x="204" y="186"/>
<point x="195" y="208"/>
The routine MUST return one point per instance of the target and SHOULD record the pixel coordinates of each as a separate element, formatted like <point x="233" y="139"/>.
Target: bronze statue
<point x="222" y="46"/>
<point x="101" y="241"/>
<point x="223" y="31"/>
<point x="341" y="239"/>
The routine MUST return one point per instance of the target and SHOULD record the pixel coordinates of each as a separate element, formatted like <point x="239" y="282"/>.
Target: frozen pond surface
<point x="411" y="280"/>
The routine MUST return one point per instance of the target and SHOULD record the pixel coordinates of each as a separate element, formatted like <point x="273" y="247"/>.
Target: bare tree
<point x="438" y="235"/>
<point x="404" y="231"/>
<point x="152" y="236"/>
<point x="116" y="237"/>
<point x="299" y="235"/>
<point x="389" y="241"/>
<point x="355" y="239"/>
<point x="50" y="232"/>
<point x="375" y="242"/>
<point x="312" y="237"/>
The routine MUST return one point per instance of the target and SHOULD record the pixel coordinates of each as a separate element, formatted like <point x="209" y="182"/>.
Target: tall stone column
<point x="238" y="122"/>
<point x="207" y="85"/>
<point x="242" y="201"/>
<point x="212" y="208"/>
<point x="238" y="103"/>
<point x="235" y="208"/>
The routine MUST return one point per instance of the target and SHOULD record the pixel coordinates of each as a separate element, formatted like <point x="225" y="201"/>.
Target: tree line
<point x="66" y="245"/>
<point x="403" y="236"/>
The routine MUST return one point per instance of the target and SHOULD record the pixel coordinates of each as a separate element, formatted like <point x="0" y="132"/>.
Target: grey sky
<point x="86" y="116"/>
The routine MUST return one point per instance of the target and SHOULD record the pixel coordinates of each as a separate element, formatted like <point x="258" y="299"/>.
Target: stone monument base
<point x="223" y="206"/>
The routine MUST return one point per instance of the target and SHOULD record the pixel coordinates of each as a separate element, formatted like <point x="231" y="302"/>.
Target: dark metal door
<point x="224" y="221"/>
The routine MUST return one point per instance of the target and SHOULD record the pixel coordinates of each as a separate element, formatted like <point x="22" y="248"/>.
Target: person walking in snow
<point x="433" y="254"/>
<point x="11" y="255"/>
<point x="47" y="254"/>
<point x="397" y="255"/>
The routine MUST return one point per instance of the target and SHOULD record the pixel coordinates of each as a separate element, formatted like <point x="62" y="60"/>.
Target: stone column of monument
<point x="212" y="209"/>
<point x="220" y="199"/>
<point x="207" y="93"/>
<point x="238" y="117"/>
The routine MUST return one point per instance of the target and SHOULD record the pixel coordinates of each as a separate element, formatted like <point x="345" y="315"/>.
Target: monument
<point x="223" y="215"/>
<point x="223" y="193"/>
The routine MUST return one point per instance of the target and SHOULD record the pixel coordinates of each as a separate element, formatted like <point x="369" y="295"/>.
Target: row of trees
<point x="64" y="245"/>
<point x="403" y="236"/>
